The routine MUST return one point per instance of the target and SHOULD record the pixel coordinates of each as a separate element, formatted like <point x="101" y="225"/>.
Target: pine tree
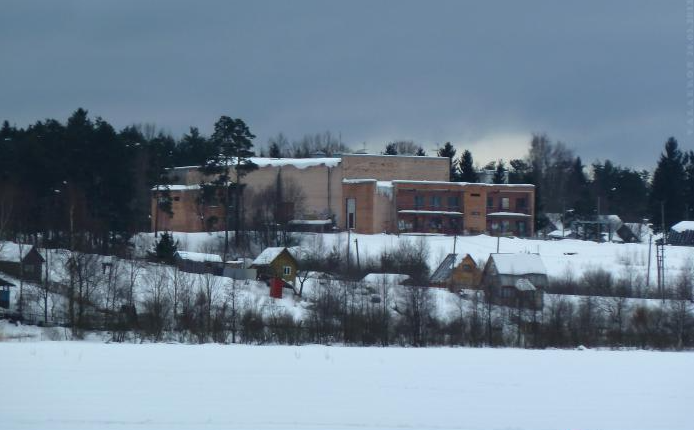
<point x="274" y="150"/>
<point x="668" y="187"/>
<point x="165" y="248"/>
<point x="420" y="152"/>
<point x="499" y="173"/>
<point x="449" y="151"/>
<point x="233" y="145"/>
<point x="578" y="190"/>
<point x="689" y="189"/>
<point x="193" y="149"/>
<point x="391" y="149"/>
<point x="467" y="168"/>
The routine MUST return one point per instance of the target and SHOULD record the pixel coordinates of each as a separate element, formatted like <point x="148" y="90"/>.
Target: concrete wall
<point x="320" y="186"/>
<point x="391" y="167"/>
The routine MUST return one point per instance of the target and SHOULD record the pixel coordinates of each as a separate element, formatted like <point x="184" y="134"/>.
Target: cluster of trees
<point x="83" y="185"/>
<point x="564" y="184"/>
<point x="325" y="144"/>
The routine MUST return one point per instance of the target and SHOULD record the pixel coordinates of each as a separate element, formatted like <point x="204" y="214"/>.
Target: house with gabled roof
<point x="21" y="261"/>
<point x="276" y="262"/>
<point x="515" y="280"/>
<point x="456" y="271"/>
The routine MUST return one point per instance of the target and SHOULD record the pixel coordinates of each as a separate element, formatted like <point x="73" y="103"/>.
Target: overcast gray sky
<point x="606" y="77"/>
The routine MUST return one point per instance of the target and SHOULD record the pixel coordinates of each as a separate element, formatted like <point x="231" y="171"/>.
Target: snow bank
<point x="80" y="385"/>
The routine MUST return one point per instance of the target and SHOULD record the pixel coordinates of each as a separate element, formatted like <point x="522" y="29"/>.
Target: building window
<point x="351" y="213"/>
<point x="453" y="202"/>
<point x="490" y="202"/>
<point x="474" y="195"/>
<point x="521" y="203"/>
<point x="176" y="198"/>
<point x="467" y="268"/>
<point x="504" y="203"/>
<point x="287" y="270"/>
<point x="435" y="201"/>
<point x="418" y="202"/>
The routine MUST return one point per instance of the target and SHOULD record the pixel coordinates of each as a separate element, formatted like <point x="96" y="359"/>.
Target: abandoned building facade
<point x="365" y="193"/>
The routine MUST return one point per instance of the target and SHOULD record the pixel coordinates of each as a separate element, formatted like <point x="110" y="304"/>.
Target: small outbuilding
<point x="21" y="261"/>
<point x="515" y="280"/>
<point x="198" y="262"/>
<point x="5" y="293"/>
<point x="682" y="234"/>
<point x="456" y="271"/>
<point x="276" y="262"/>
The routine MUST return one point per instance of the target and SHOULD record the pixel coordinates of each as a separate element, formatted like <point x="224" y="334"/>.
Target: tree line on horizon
<point x="84" y="185"/>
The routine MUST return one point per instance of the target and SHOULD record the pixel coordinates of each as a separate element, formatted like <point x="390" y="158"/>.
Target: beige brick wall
<point x="390" y="167"/>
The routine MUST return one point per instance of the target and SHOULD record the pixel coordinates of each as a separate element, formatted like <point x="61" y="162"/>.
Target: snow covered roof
<point x="268" y="255"/>
<point x="422" y="212"/>
<point x="462" y="184"/>
<point x="11" y="252"/>
<point x="311" y="221"/>
<point x="683" y="226"/>
<point x="175" y="187"/>
<point x="518" y="264"/>
<point x="385" y="278"/>
<point x="516" y="214"/>
<point x="199" y="257"/>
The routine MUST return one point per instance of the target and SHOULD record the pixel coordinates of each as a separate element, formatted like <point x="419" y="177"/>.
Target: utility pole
<point x="356" y="245"/>
<point x="599" y="225"/>
<point x="455" y="239"/>
<point x="648" y="270"/>
<point x="349" y="237"/>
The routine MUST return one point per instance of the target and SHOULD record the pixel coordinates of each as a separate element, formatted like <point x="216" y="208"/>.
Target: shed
<point x="276" y="262"/>
<point x="21" y="261"/>
<point x="682" y="234"/>
<point x="515" y="280"/>
<point x="456" y="271"/>
<point x="198" y="262"/>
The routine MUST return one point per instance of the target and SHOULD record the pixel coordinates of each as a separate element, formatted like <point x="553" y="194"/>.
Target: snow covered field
<point x="85" y="385"/>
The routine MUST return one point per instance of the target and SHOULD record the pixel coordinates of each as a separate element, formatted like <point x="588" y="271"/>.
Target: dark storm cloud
<point x="608" y="79"/>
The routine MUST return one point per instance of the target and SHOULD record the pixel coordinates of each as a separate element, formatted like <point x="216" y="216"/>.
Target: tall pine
<point x="449" y="151"/>
<point x="466" y="168"/>
<point x="233" y="142"/>
<point x="668" y="187"/>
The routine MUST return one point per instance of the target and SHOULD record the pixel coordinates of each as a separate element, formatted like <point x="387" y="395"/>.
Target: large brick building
<point x="366" y="193"/>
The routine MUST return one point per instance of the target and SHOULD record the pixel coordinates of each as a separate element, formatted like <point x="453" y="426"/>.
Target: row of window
<point x="435" y="201"/>
<point x="521" y="202"/>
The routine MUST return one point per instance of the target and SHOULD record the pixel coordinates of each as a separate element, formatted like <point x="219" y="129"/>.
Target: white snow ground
<point x="85" y="385"/>
<point x="562" y="258"/>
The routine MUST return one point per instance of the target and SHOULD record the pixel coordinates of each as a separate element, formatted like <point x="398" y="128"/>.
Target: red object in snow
<point x="276" y="285"/>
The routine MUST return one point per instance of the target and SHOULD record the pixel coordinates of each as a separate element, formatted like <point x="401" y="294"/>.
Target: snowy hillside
<point x="82" y="385"/>
<point x="561" y="258"/>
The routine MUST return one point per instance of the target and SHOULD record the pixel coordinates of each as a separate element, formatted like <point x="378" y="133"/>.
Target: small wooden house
<point x="21" y="261"/>
<point x="276" y="262"/>
<point x="515" y="280"/>
<point x="198" y="262"/>
<point x="455" y="272"/>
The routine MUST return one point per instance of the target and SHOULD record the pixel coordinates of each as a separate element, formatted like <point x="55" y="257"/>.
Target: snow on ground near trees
<point x="560" y="257"/>
<point x="84" y="385"/>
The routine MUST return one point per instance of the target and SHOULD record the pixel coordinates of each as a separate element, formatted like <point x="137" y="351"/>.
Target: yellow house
<point x="276" y="262"/>
<point x="456" y="271"/>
